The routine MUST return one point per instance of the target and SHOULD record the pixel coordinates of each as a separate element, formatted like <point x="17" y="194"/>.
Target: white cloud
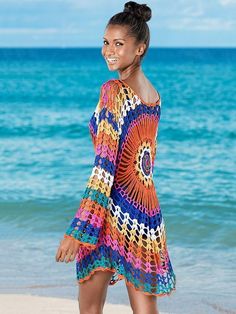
<point x="31" y="1"/>
<point x="193" y="11"/>
<point x="209" y="24"/>
<point x="38" y="31"/>
<point x="227" y="2"/>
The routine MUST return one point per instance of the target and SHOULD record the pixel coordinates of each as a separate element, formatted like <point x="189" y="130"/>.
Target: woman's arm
<point x="88" y="220"/>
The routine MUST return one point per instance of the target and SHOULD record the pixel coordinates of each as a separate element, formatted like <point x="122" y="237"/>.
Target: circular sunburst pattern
<point x="135" y="162"/>
<point x="144" y="163"/>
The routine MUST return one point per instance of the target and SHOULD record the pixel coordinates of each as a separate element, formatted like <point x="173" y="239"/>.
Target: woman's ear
<point x="141" y="49"/>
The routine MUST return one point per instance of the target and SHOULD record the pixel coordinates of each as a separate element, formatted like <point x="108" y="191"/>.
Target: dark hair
<point x="134" y="16"/>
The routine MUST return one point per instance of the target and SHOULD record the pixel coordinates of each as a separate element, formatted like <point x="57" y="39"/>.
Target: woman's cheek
<point x="103" y="51"/>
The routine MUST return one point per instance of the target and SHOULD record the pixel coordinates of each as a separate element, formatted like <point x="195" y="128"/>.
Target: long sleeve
<point x="88" y="220"/>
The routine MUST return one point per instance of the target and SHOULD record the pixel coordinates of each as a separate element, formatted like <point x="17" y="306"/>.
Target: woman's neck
<point x="134" y="70"/>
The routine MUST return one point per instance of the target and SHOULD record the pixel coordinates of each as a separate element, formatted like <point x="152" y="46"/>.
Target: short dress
<point x="119" y="222"/>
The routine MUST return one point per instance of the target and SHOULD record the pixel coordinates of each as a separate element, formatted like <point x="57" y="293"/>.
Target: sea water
<point x="47" y="97"/>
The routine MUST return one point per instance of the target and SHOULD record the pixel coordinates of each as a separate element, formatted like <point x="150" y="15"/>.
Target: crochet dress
<point x="119" y="223"/>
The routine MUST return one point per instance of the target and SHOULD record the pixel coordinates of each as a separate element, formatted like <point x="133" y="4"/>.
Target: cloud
<point x="199" y="16"/>
<point x="38" y="31"/>
<point x="193" y="11"/>
<point x="206" y="24"/>
<point x="227" y="2"/>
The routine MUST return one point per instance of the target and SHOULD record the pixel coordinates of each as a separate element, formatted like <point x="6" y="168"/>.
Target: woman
<point x="118" y="231"/>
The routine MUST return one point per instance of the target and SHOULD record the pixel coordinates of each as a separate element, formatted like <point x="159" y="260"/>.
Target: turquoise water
<point x="46" y="99"/>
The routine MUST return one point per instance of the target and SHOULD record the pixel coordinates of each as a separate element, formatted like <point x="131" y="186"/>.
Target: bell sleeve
<point x="88" y="220"/>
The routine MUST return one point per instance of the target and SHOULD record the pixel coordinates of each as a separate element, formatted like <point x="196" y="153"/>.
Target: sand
<point x="28" y="304"/>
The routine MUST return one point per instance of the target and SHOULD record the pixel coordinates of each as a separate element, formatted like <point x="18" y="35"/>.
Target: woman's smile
<point x="111" y="60"/>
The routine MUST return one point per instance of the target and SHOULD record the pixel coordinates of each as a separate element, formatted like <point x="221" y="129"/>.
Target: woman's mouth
<point x="111" y="60"/>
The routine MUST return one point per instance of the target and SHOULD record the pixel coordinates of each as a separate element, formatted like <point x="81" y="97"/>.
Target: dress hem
<point x="121" y="277"/>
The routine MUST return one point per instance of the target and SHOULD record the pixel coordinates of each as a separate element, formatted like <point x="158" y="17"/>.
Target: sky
<point x="81" y="23"/>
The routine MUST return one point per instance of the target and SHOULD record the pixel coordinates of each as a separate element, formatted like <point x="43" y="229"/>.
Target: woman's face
<point x="120" y="50"/>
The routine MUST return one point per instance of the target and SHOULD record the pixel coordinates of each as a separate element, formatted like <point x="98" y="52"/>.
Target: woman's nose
<point x="110" y="50"/>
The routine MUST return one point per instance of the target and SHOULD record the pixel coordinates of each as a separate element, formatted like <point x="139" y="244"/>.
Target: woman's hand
<point x="67" y="250"/>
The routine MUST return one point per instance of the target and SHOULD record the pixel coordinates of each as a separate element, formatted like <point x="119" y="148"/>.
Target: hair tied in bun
<point x="141" y="11"/>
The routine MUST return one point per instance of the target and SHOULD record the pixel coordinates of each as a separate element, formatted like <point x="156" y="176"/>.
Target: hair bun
<point x="139" y="10"/>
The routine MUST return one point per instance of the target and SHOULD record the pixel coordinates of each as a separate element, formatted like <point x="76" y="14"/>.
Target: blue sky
<point x="71" y="23"/>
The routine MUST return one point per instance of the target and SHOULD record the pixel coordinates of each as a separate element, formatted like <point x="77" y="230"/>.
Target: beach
<point x="23" y="304"/>
<point x="28" y="304"/>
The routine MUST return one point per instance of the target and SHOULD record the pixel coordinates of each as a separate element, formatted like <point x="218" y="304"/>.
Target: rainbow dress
<point x="119" y="223"/>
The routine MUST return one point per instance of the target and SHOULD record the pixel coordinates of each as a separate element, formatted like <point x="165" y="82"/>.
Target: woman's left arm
<point x="88" y="220"/>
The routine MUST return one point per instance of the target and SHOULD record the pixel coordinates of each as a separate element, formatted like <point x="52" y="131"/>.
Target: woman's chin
<point x="111" y="70"/>
<point x="112" y="67"/>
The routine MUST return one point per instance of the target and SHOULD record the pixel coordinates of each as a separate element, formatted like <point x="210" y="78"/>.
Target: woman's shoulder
<point x="111" y="84"/>
<point x="111" y="90"/>
<point x="110" y="95"/>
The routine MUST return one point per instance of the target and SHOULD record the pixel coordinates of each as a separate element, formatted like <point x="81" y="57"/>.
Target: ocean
<point x="47" y="97"/>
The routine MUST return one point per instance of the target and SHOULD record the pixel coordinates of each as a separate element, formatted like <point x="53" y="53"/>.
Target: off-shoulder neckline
<point x="143" y="102"/>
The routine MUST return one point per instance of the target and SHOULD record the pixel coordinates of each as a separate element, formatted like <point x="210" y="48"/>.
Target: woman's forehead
<point x="116" y="30"/>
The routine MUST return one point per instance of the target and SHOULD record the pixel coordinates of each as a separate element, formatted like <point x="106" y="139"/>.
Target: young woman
<point x="118" y="231"/>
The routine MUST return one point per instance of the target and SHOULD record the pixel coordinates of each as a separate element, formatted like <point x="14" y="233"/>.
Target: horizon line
<point x="98" y="47"/>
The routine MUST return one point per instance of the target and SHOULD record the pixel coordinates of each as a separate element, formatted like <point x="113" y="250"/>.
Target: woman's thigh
<point x="142" y="303"/>
<point x="92" y="292"/>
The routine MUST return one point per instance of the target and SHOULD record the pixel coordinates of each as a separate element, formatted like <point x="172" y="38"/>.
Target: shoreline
<point x="24" y="303"/>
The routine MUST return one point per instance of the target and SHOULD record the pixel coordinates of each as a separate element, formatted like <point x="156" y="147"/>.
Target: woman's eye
<point x="118" y="43"/>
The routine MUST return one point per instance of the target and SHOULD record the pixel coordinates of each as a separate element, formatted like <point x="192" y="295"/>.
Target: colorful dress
<point x="119" y="223"/>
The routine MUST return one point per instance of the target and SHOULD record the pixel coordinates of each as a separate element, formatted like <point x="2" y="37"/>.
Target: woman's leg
<point x="92" y="292"/>
<point x="142" y="303"/>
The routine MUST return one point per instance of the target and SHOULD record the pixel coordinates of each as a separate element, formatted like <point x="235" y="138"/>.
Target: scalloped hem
<point x="121" y="277"/>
